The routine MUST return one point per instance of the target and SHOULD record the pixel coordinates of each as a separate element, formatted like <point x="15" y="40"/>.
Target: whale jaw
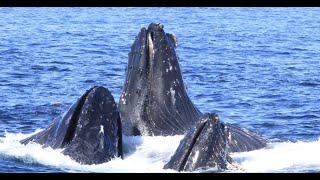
<point x="203" y="147"/>
<point x="208" y="145"/>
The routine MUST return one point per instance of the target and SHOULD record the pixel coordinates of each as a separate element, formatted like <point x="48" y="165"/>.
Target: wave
<point x="150" y="153"/>
<point x="309" y="84"/>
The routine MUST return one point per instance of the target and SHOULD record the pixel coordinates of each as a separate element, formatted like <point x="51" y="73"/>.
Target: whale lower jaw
<point x="204" y="146"/>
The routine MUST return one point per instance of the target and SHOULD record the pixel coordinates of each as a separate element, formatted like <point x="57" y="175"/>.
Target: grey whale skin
<point x="89" y="132"/>
<point x="154" y="102"/>
<point x="153" y="99"/>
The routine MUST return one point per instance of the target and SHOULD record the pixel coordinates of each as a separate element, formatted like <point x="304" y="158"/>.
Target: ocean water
<point x="257" y="67"/>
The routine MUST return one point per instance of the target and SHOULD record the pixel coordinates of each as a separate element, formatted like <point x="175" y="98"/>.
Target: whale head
<point x="153" y="99"/>
<point x="203" y="148"/>
<point x="89" y="131"/>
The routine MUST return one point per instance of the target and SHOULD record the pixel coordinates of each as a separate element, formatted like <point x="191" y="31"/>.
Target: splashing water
<point x="282" y="157"/>
<point x="142" y="154"/>
<point x="149" y="154"/>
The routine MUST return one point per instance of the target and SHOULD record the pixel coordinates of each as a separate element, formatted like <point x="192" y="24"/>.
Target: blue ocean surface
<point x="256" y="67"/>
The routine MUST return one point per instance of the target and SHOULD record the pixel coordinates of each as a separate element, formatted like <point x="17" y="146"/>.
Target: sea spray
<point x="150" y="153"/>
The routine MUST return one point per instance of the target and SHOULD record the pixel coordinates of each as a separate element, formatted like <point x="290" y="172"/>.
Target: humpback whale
<point x="89" y="132"/>
<point x="204" y="146"/>
<point x="208" y="145"/>
<point x="153" y="99"/>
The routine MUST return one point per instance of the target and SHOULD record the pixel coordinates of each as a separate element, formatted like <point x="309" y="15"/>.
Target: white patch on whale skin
<point x="173" y="99"/>
<point x="230" y="137"/>
<point x="170" y="66"/>
<point x="101" y="137"/>
<point x="101" y="129"/>
<point x="123" y="99"/>
<point x="150" y="46"/>
<point x="195" y="158"/>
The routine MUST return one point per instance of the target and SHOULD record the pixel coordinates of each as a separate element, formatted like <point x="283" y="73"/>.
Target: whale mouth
<point x="199" y="130"/>
<point x="150" y="46"/>
<point x="203" y="147"/>
<point x="70" y="132"/>
<point x="63" y="126"/>
<point x="157" y="44"/>
<point x="150" y="56"/>
<point x="193" y="142"/>
<point x="89" y="131"/>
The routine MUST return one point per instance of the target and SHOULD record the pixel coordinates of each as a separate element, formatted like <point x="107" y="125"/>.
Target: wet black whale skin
<point x="89" y="132"/>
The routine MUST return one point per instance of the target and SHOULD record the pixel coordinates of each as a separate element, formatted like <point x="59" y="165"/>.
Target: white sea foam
<point x="149" y="154"/>
<point x="282" y="157"/>
<point x="143" y="154"/>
